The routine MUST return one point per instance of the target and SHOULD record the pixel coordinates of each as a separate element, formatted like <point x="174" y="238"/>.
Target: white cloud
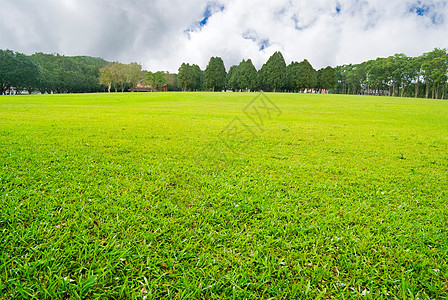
<point x="154" y="32"/>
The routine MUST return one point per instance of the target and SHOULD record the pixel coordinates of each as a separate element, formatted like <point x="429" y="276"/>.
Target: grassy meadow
<point x="223" y="196"/>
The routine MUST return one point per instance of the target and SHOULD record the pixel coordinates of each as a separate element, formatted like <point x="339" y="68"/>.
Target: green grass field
<point x="185" y="196"/>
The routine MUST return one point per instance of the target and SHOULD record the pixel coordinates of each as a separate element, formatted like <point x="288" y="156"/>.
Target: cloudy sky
<point x="161" y="34"/>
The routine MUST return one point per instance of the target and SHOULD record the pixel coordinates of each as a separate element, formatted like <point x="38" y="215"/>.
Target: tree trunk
<point x="109" y="87"/>
<point x="416" y="89"/>
<point x="433" y="89"/>
<point x="402" y="90"/>
<point x="427" y="90"/>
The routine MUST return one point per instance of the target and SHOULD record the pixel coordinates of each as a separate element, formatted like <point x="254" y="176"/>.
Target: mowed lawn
<point x="223" y="196"/>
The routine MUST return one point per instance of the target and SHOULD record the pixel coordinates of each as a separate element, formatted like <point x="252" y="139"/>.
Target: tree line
<point x="397" y="75"/>
<point x="49" y="73"/>
<point x="424" y="76"/>
<point x="274" y="76"/>
<point x="55" y="73"/>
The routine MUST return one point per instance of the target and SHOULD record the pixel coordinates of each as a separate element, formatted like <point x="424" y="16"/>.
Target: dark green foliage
<point x="17" y="71"/>
<point x="231" y="78"/>
<point x="247" y="76"/>
<point x="68" y="74"/>
<point x="307" y="75"/>
<point x="190" y="77"/>
<point x="326" y="78"/>
<point x="243" y="77"/>
<point x="272" y="75"/>
<point x="215" y="74"/>
<point x="171" y="81"/>
<point x="292" y="73"/>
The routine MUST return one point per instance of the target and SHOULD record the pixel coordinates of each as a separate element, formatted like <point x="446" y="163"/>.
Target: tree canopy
<point x="121" y="76"/>
<point x="17" y="71"/>
<point x="68" y="74"/>
<point x="215" y="74"/>
<point x="190" y="77"/>
<point x="272" y="75"/>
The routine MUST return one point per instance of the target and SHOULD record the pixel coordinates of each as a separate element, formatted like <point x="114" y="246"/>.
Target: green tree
<point x="134" y="74"/>
<point x="232" y="78"/>
<point x="272" y="75"/>
<point x="171" y="81"/>
<point x="190" y="77"/>
<point x="215" y="74"/>
<point x="198" y="78"/>
<point x="434" y="71"/>
<point x="326" y="78"/>
<point x="355" y="78"/>
<point x="184" y="77"/>
<point x="113" y="74"/>
<point x="157" y="80"/>
<point x="7" y="68"/>
<point x="292" y="73"/>
<point x="107" y="76"/>
<point x="307" y="75"/>
<point x="246" y="76"/>
<point x="68" y="74"/>
<point x="17" y="70"/>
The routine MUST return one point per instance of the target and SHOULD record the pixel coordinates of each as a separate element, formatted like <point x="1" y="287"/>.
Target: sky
<point x="161" y="34"/>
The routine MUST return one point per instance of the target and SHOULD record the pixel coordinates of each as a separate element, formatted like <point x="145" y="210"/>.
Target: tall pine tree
<point x="273" y="73"/>
<point x="215" y="74"/>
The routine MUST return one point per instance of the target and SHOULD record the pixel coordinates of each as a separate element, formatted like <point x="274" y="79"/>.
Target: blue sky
<point x="161" y="34"/>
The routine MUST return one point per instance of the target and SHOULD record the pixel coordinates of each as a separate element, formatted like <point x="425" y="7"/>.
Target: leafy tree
<point x="121" y="76"/>
<point x="292" y="73"/>
<point x="157" y="79"/>
<point x="184" y="77"/>
<point x="355" y="77"/>
<point x="113" y="74"/>
<point x="190" y="77"/>
<point x="171" y="81"/>
<point x="326" y="78"/>
<point x="198" y="78"/>
<point x="434" y="68"/>
<point x="7" y="68"/>
<point x="272" y="75"/>
<point x="307" y="76"/>
<point x="414" y="73"/>
<point x="398" y="74"/>
<point x="134" y="74"/>
<point x="215" y="74"/>
<point x="27" y="74"/>
<point x="17" y="70"/>
<point x="68" y="74"/>
<point x="246" y="76"/>
<point x="231" y="78"/>
<point x="107" y="76"/>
